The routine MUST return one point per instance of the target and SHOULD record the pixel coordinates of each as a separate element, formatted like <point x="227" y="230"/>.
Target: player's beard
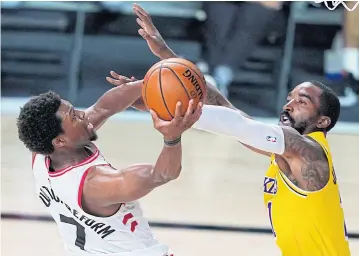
<point x="299" y="125"/>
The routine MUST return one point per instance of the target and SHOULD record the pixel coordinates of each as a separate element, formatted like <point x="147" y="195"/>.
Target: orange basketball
<point x="170" y="81"/>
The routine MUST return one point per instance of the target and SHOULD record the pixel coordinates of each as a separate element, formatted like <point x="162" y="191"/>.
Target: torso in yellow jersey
<point x="306" y="223"/>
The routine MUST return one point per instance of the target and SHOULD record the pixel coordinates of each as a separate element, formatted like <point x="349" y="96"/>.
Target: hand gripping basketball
<point x="173" y="129"/>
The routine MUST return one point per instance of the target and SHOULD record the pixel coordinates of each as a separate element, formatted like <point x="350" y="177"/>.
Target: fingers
<point x="117" y="79"/>
<point x="114" y="74"/>
<point x="191" y="107"/>
<point x="157" y="122"/>
<point x="144" y="19"/>
<point x="193" y="113"/>
<point x="114" y="81"/>
<point x="140" y="22"/>
<point x="144" y="34"/>
<point x="198" y="112"/>
<point x="154" y="116"/>
<point x="143" y="15"/>
<point x="178" y="110"/>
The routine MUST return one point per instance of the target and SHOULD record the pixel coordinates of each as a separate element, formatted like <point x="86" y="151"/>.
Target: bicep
<point x="307" y="161"/>
<point x="296" y="144"/>
<point x="108" y="186"/>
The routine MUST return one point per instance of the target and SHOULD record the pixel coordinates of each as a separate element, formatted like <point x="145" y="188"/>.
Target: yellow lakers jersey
<point x="306" y="223"/>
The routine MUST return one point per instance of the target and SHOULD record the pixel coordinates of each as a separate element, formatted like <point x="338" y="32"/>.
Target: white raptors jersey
<point x="126" y="233"/>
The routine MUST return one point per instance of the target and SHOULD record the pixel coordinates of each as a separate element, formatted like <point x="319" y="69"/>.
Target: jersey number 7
<point x="80" y="231"/>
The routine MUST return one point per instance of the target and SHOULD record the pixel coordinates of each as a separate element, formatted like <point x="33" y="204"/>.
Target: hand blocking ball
<point x="170" y="81"/>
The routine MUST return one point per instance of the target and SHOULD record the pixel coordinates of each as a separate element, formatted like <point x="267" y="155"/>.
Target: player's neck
<point x="62" y="159"/>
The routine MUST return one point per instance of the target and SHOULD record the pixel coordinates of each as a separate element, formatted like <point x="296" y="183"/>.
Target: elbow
<point x="176" y="173"/>
<point x="169" y="175"/>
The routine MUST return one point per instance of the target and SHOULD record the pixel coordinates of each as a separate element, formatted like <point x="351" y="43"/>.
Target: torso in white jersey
<point x="126" y="233"/>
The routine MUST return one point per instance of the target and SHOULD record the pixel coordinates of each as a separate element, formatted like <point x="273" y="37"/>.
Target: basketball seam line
<point x="163" y="98"/>
<point x="145" y="99"/>
<point x="204" y="82"/>
<point x="184" y="87"/>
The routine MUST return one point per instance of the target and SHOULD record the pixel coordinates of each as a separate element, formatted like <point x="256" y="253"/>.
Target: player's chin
<point x="93" y="136"/>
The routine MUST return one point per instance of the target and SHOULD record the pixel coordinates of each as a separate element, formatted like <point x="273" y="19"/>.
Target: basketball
<point x="170" y="81"/>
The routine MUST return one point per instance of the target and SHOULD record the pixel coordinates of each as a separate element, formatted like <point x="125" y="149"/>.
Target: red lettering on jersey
<point x="133" y="226"/>
<point x="126" y="218"/>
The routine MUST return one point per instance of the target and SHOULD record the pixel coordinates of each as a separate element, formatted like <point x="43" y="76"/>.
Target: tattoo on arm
<point x="214" y="97"/>
<point x="316" y="175"/>
<point x="313" y="171"/>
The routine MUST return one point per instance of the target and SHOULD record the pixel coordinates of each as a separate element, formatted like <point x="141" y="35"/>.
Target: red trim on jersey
<point x="88" y="160"/>
<point x="82" y="182"/>
<point x="33" y="160"/>
<point x="47" y="163"/>
<point x="79" y="194"/>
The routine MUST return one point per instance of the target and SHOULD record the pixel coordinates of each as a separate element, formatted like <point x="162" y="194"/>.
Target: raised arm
<point x="113" y="101"/>
<point x="159" y="48"/>
<point x="105" y="188"/>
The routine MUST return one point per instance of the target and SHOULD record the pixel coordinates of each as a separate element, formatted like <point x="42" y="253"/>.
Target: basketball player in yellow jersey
<point x="300" y="188"/>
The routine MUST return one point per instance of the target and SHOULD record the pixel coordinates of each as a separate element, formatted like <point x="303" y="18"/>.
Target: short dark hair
<point x="38" y="123"/>
<point x="329" y="103"/>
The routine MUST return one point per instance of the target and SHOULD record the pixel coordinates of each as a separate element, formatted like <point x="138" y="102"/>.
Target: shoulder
<point x="98" y="183"/>
<point x="98" y="174"/>
<point x="307" y="160"/>
<point x="297" y="144"/>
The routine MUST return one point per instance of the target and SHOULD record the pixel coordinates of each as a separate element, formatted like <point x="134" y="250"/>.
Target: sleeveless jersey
<point x="306" y="223"/>
<point x="126" y="233"/>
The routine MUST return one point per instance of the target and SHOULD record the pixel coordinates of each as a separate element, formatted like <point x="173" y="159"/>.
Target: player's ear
<point x="323" y="122"/>
<point x="59" y="142"/>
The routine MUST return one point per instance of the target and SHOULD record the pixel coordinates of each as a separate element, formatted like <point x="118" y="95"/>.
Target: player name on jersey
<point x="48" y="196"/>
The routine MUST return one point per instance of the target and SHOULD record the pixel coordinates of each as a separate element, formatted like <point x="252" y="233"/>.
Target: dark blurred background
<point x="70" y="47"/>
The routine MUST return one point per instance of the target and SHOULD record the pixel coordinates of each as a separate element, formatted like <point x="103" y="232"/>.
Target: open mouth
<point x="285" y="120"/>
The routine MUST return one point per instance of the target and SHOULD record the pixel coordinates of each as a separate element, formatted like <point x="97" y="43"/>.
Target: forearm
<point x="228" y="122"/>
<point x="169" y="163"/>
<point x="167" y="53"/>
<point x="120" y="97"/>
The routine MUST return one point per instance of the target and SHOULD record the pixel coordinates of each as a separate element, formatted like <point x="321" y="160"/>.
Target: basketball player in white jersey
<point x="94" y="203"/>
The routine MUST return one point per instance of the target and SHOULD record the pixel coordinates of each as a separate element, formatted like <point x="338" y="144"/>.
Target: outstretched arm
<point x="114" y="100"/>
<point x="306" y="158"/>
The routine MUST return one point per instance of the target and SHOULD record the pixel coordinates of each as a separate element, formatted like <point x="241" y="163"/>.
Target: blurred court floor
<point x="220" y="184"/>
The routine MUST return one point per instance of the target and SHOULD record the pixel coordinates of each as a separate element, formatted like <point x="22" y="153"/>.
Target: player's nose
<point x="289" y="106"/>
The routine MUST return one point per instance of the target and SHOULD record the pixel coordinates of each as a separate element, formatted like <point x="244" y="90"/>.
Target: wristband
<point x="172" y="142"/>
